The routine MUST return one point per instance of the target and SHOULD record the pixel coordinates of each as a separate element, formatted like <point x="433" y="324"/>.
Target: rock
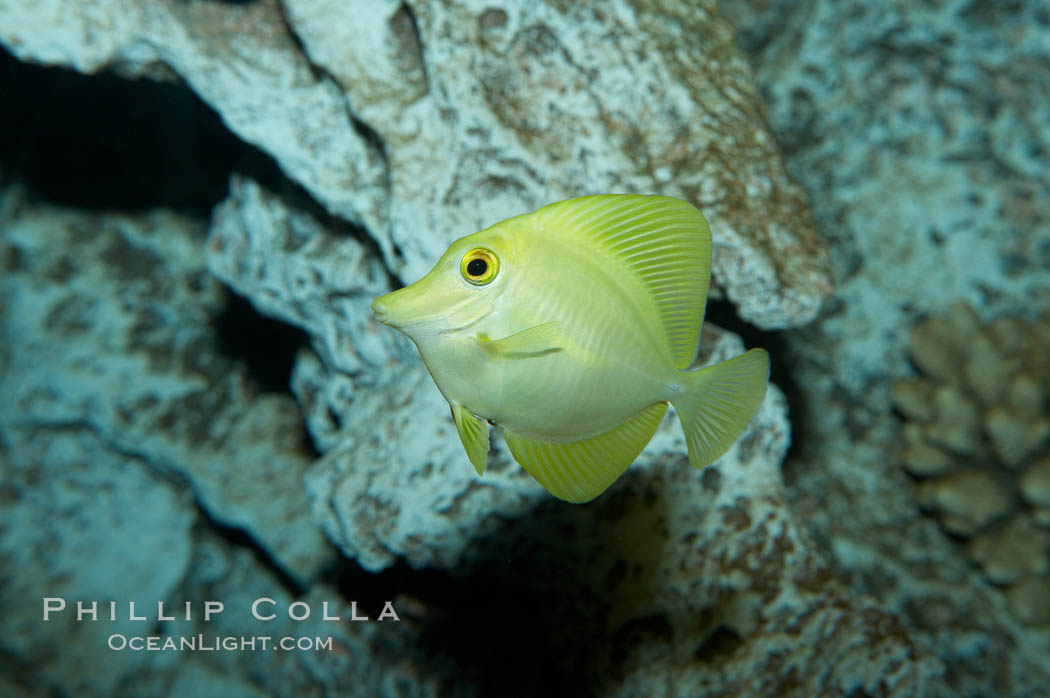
<point x="892" y="144"/>
<point x="398" y="486"/>
<point x="344" y="657"/>
<point x="732" y="585"/>
<point x="82" y="522"/>
<point x="243" y="650"/>
<point x="886" y="115"/>
<point x="13" y="687"/>
<point x="306" y="269"/>
<point x="109" y="318"/>
<point x="462" y="137"/>
<point x="247" y="82"/>
<point x="954" y="227"/>
<point x="200" y="680"/>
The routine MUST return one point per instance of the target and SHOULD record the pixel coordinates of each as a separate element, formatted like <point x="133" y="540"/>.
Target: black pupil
<point x="477" y="267"/>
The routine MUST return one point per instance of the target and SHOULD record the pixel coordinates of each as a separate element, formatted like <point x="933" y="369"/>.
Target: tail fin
<point x="718" y="402"/>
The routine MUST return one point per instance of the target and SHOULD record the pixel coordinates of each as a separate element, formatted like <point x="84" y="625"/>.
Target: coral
<point x="919" y="133"/>
<point x="81" y="521"/>
<point x="366" y="659"/>
<point x="422" y="122"/>
<point x="977" y="432"/>
<point x="125" y="434"/>
<point x="110" y="323"/>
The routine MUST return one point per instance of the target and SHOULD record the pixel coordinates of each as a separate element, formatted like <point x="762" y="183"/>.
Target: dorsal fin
<point x="665" y="242"/>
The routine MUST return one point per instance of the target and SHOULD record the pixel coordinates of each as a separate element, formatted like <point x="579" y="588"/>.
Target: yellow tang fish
<point x="572" y="328"/>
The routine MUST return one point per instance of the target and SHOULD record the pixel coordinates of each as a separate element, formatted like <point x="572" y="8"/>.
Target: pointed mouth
<point x="395" y="309"/>
<point x="380" y="311"/>
<point x="416" y="308"/>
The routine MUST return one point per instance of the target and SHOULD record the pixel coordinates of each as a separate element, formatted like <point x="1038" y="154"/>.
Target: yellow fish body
<point x="571" y="328"/>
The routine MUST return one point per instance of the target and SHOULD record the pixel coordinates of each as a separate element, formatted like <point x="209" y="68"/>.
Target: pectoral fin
<point x="474" y="434"/>
<point x="578" y="471"/>
<point x="534" y="341"/>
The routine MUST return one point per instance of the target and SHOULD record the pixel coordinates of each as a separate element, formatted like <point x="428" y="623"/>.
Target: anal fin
<point x="474" y="434"/>
<point x="578" y="471"/>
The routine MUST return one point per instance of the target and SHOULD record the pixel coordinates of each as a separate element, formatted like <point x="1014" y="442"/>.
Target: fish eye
<point x="479" y="266"/>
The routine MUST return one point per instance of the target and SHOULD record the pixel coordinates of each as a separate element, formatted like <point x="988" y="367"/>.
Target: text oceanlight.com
<point x="203" y="643"/>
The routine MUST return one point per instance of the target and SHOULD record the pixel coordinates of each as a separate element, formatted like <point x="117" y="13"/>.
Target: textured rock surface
<point x="373" y="658"/>
<point x="425" y="122"/>
<point x="918" y="134"/>
<point x="916" y="131"/>
<point x="108" y="324"/>
<point x="121" y="421"/>
<point x="702" y="584"/>
<point x="309" y="270"/>
<point x="81" y="521"/>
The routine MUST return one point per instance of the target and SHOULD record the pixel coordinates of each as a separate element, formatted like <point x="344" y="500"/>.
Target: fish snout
<point x="412" y="307"/>
<point x="381" y="311"/>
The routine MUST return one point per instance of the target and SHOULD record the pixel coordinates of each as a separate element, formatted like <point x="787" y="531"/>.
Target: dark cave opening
<point x="266" y="346"/>
<point x="781" y="371"/>
<point x="498" y="617"/>
<point x="492" y="629"/>
<point x="104" y="142"/>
